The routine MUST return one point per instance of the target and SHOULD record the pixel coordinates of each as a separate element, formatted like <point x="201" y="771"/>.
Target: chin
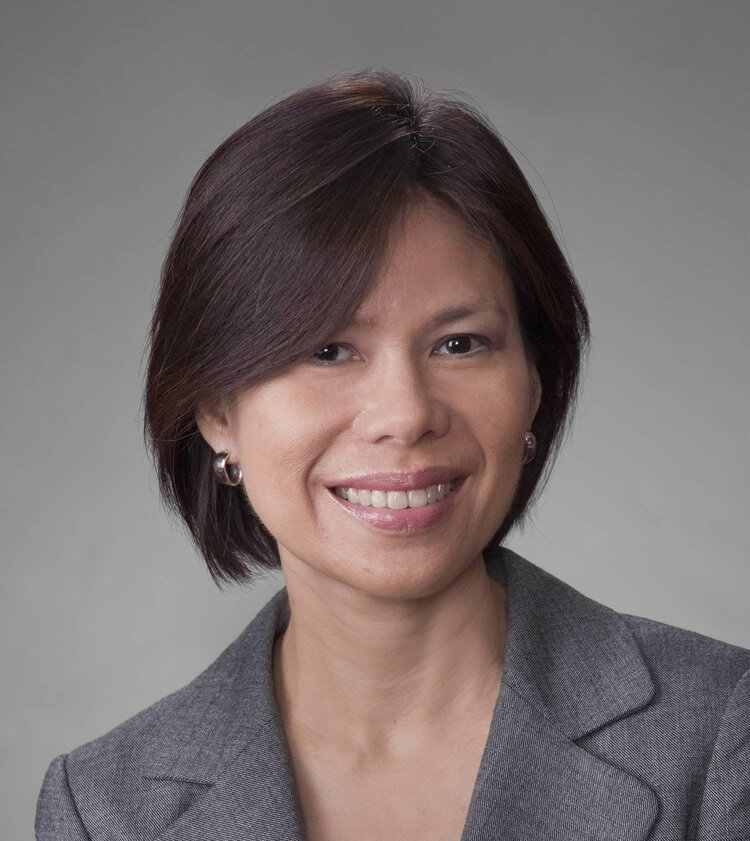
<point x="397" y="580"/>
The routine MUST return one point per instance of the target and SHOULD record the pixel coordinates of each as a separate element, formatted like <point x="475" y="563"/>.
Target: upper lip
<point x="410" y="481"/>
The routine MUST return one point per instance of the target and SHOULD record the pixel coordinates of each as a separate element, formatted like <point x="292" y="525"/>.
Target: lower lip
<point x="401" y="519"/>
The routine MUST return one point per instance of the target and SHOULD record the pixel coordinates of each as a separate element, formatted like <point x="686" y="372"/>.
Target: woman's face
<point x="397" y="392"/>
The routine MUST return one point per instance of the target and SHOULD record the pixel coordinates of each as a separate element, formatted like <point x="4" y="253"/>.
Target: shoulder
<point x="97" y="784"/>
<point x="676" y="657"/>
<point x="664" y="692"/>
<point x="687" y="734"/>
<point x="700" y="668"/>
<point x="557" y="616"/>
<point x="184" y="736"/>
<point x="696" y="728"/>
<point x="93" y="786"/>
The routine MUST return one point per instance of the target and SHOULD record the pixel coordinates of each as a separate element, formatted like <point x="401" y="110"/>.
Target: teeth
<point x="396" y="499"/>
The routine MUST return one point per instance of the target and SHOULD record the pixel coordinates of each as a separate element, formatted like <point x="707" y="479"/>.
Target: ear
<point x="213" y="422"/>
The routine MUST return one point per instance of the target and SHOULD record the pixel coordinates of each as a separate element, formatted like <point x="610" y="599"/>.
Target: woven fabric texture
<point x="607" y="727"/>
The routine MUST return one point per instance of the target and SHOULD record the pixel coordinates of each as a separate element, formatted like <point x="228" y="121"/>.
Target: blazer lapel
<point x="535" y="783"/>
<point x="254" y="798"/>
<point x="232" y="741"/>
<point x="571" y="667"/>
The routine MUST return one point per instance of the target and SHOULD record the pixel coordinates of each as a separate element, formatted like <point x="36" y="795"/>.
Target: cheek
<point x="278" y="450"/>
<point x="501" y="425"/>
<point x="503" y="412"/>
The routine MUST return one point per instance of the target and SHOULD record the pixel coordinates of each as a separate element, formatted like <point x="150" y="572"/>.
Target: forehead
<point x="435" y="264"/>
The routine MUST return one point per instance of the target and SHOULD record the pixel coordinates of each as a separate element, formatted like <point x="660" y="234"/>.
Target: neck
<point x="380" y="676"/>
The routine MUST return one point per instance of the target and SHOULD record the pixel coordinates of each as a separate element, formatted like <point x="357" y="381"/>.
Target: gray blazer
<point x="608" y="727"/>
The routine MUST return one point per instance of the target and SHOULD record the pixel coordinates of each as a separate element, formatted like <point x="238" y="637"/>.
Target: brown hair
<point x="281" y="235"/>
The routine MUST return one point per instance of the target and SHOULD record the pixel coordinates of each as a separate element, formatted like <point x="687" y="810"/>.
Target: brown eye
<point x="460" y="345"/>
<point x="327" y="354"/>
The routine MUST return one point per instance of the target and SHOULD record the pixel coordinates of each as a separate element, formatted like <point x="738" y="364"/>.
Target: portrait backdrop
<point x="632" y="123"/>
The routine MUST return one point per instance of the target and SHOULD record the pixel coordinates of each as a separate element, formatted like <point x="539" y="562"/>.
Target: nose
<point x="400" y="404"/>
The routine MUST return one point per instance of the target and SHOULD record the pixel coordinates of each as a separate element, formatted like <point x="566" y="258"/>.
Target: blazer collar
<point x="571" y="667"/>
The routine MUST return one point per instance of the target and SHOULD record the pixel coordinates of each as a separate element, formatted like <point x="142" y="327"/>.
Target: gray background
<point x="636" y="116"/>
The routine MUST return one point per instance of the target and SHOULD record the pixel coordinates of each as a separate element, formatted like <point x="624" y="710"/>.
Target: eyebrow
<point x="477" y="307"/>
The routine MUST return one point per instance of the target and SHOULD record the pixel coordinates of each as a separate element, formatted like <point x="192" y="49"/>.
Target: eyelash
<point x="483" y="340"/>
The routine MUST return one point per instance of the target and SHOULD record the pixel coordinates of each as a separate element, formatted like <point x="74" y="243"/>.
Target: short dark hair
<point x="279" y="240"/>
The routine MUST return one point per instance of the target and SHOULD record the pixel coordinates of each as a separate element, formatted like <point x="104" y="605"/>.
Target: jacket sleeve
<point x="725" y="810"/>
<point x="57" y="817"/>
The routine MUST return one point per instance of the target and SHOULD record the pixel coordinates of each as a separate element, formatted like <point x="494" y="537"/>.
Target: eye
<point x="460" y="344"/>
<point x="327" y="354"/>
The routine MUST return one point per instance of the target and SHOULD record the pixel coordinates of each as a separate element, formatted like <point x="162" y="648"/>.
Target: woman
<point x="364" y="354"/>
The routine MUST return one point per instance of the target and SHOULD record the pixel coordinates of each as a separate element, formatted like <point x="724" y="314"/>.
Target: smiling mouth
<point x="397" y="499"/>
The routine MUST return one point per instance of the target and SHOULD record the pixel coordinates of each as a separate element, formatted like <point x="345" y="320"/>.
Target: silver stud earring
<point x="227" y="474"/>
<point x="529" y="447"/>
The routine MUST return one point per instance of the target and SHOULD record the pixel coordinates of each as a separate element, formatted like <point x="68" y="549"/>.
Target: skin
<point x="390" y="667"/>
